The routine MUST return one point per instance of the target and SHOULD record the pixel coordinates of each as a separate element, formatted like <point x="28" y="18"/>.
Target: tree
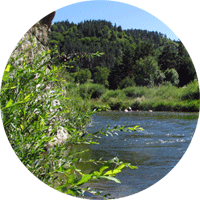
<point x="101" y="76"/>
<point x="119" y="29"/>
<point x="168" y="58"/>
<point x="171" y="75"/>
<point x="159" y="77"/>
<point x="145" y="71"/>
<point x="128" y="62"/>
<point x="144" y="49"/>
<point x="122" y="48"/>
<point x="83" y="75"/>
<point x="122" y="68"/>
<point x="113" y="36"/>
<point x="185" y="66"/>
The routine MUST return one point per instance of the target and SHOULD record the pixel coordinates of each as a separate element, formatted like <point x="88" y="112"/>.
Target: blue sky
<point x="122" y="14"/>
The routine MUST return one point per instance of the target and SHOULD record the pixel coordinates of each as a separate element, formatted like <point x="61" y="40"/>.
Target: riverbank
<point x="146" y="105"/>
<point x="163" y="98"/>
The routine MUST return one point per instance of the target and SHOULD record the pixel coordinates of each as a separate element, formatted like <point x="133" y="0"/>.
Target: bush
<point x="115" y="104"/>
<point x="172" y="76"/>
<point x="91" y="90"/>
<point x="134" y="92"/>
<point x="101" y="76"/>
<point x="83" y="75"/>
<point x="168" y="92"/>
<point x="168" y="83"/>
<point x="159" y="77"/>
<point x="127" y="82"/>
<point x="135" y="105"/>
<point x="118" y="94"/>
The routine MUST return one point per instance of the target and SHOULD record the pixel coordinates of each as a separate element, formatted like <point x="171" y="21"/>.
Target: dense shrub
<point x="129" y="91"/>
<point x="83" y="75"/>
<point x="127" y="82"/>
<point x="115" y="104"/>
<point x="135" y="92"/>
<point x="159" y="77"/>
<point x="135" y="105"/>
<point x="118" y="94"/>
<point x="167" y="92"/>
<point x="172" y="76"/>
<point x="91" y="90"/>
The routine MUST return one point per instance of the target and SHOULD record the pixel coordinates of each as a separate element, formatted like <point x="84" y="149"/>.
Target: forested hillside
<point x="130" y="57"/>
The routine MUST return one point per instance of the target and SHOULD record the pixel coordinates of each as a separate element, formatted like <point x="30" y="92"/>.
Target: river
<point x="155" y="151"/>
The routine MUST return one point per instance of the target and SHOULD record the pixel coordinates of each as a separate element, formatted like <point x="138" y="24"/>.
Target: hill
<point x="130" y="57"/>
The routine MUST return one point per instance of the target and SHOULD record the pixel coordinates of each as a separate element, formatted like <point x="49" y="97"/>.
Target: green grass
<point x="119" y="94"/>
<point x="163" y="98"/>
<point x="191" y="91"/>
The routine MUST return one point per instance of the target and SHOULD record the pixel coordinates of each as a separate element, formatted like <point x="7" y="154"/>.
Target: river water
<point x="155" y="151"/>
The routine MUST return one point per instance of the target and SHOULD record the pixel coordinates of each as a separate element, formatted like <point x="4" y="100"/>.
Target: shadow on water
<point x="155" y="151"/>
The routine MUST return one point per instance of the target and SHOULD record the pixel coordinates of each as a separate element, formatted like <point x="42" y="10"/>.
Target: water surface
<point x="155" y="151"/>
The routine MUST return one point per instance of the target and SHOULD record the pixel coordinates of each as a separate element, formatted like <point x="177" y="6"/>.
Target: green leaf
<point x="27" y="98"/>
<point x="72" y="192"/>
<point x="135" y="128"/>
<point x="22" y="127"/>
<point x="115" y="171"/>
<point x="42" y="123"/>
<point x="110" y="172"/>
<point x="9" y="104"/>
<point x="8" y="68"/>
<point x="71" y="179"/>
<point x="132" y="167"/>
<point x="103" y="168"/>
<point x="85" y="178"/>
<point x="119" y="168"/>
<point x="111" y="178"/>
<point x="122" y="166"/>
<point x="95" y="174"/>
<point x="5" y="78"/>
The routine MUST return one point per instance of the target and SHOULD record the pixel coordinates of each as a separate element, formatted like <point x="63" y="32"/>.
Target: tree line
<point x="129" y="57"/>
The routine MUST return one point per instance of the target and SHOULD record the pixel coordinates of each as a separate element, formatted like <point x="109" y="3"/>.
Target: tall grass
<point x="112" y="94"/>
<point x="163" y="98"/>
<point x="191" y="91"/>
<point x="162" y="92"/>
<point x="91" y="90"/>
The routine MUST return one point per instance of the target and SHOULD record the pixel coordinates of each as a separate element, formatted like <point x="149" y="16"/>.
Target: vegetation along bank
<point x="136" y="68"/>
